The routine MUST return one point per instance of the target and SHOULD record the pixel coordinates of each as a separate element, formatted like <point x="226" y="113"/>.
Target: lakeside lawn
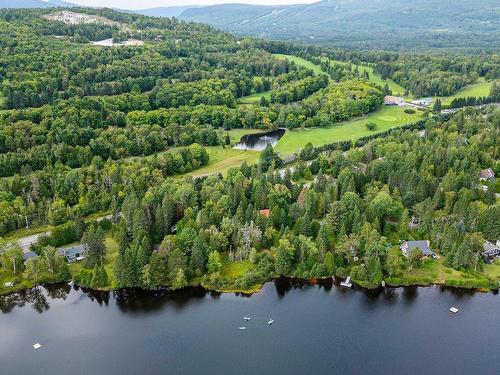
<point x="385" y="118"/>
<point x="300" y="61"/>
<point x="111" y="255"/>
<point x="222" y="159"/>
<point x="433" y="271"/>
<point x="236" y="134"/>
<point x="479" y="89"/>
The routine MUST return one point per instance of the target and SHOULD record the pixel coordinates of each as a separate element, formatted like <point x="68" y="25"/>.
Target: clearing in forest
<point x="385" y="118"/>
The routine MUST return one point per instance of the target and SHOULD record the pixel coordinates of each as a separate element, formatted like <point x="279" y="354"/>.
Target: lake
<point x="259" y="141"/>
<point x="318" y="329"/>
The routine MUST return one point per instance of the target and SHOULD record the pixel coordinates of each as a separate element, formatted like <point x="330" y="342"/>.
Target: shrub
<point x="371" y="126"/>
<point x="409" y="111"/>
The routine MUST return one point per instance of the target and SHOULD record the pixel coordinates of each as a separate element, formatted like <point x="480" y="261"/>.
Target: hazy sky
<point x="142" y="4"/>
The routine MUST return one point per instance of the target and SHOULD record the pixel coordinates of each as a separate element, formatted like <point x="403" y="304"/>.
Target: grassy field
<point x="377" y="79"/>
<point x="396" y="89"/>
<point x="476" y="89"/>
<point x="222" y="159"/>
<point x="254" y="98"/>
<point x="302" y="62"/>
<point x="111" y="254"/>
<point x="385" y="118"/>
<point x="236" y="134"/>
<point x="433" y="271"/>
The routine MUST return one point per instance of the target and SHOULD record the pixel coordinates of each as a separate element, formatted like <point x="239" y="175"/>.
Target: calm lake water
<point x="258" y="142"/>
<point x="318" y="329"/>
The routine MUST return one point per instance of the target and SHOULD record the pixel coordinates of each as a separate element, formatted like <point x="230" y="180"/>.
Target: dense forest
<point x="88" y="131"/>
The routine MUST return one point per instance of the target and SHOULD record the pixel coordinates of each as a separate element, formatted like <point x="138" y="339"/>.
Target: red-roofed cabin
<point x="265" y="212"/>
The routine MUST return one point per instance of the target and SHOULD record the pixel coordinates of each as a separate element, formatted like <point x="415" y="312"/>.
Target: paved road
<point x="26" y="242"/>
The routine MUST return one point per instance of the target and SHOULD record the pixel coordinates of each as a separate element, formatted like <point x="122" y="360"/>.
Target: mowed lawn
<point x="396" y="89"/>
<point x="479" y="89"/>
<point x="385" y="118"/>
<point x="376" y="78"/>
<point x="302" y="62"/>
<point x="254" y="98"/>
<point x="222" y="159"/>
<point x="236" y="134"/>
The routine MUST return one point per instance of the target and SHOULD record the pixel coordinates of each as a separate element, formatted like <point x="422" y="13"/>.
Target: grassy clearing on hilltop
<point x="385" y="118"/>
<point x="479" y="89"/>
<point x="254" y="98"/>
<point x="222" y="159"/>
<point x="375" y="78"/>
<point x="302" y="62"/>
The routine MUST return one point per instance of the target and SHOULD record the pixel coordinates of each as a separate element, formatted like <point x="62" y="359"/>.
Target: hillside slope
<point x="394" y="24"/>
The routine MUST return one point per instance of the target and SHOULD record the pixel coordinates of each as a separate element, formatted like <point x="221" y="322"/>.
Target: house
<point x="74" y="253"/>
<point x="490" y="251"/>
<point x="424" y="246"/>
<point x="487" y="175"/>
<point x="28" y="255"/>
<point x="422" y="102"/>
<point x="394" y="100"/>
<point x="265" y="212"/>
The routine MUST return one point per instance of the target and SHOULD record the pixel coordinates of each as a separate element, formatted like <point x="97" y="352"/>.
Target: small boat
<point x="37" y="346"/>
<point x="454" y="310"/>
<point x="242" y="328"/>
<point x="71" y="283"/>
<point x="270" y="321"/>
<point x="347" y="283"/>
<point x="247" y="318"/>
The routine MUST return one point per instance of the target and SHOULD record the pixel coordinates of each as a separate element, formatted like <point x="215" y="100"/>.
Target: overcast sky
<point x="142" y="4"/>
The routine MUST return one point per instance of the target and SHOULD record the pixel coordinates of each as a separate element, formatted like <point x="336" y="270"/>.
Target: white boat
<point x="270" y="321"/>
<point x="347" y="283"/>
<point x="247" y="318"/>
<point x="454" y="310"/>
<point x="242" y="328"/>
<point x="37" y="346"/>
<point x="71" y="283"/>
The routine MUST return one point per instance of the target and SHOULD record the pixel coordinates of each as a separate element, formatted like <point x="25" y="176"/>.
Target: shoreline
<point x="334" y="280"/>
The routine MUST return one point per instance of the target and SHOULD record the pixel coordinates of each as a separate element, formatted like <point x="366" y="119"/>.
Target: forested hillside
<point x="383" y="24"/>
<point x="105" y="114"/>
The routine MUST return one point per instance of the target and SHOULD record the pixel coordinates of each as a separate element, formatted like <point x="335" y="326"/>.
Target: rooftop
<point x="487" y="173"/>
<point x="72" y="251"/>
<point x="422" y="245"/>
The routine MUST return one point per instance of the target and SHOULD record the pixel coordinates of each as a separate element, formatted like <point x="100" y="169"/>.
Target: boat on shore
<point x="347" y="282"/>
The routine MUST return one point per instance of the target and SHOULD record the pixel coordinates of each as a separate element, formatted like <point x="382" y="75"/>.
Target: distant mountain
<point x="174" y="11"/>
<point x="34" y="3"/>
<point x="391" y="24"/>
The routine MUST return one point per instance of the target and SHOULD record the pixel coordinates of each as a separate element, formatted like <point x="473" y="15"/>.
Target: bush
<point x="409" y="111"/>
<point x="371" y="126"/>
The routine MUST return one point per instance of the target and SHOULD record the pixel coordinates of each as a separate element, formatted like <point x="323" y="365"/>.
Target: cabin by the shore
<point x="487" y="175"/>
<point x="491" y="251"/>
<point x="424" y="245"/>
<point x="74" y="253"/>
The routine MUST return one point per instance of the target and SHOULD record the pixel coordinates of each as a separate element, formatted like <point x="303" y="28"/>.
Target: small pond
<point x="259" y="141"/>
